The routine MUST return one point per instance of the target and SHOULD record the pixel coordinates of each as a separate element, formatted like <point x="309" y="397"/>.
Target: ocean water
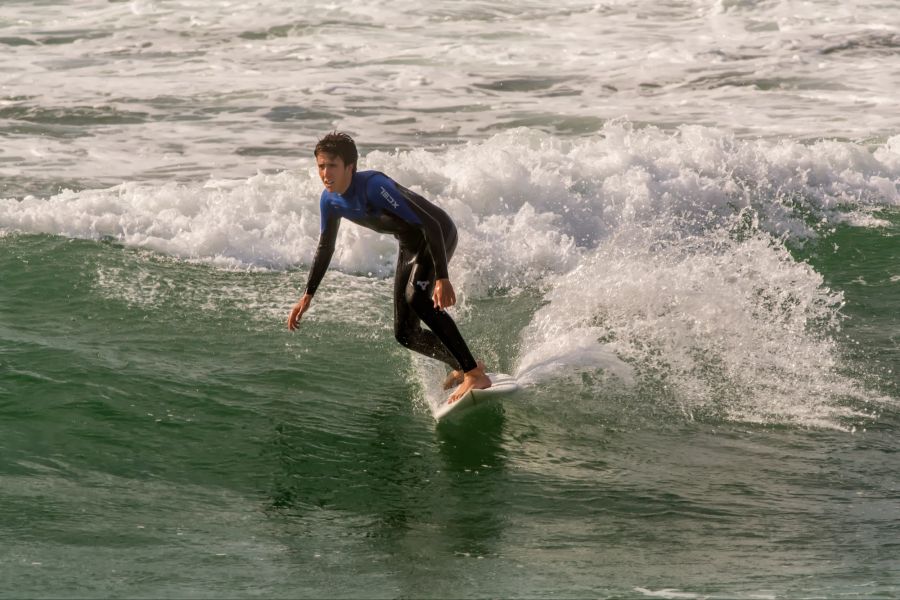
<point x="679" y="228"/>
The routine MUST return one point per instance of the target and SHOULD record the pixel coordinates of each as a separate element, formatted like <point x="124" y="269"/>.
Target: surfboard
<point x="501" y="386"/>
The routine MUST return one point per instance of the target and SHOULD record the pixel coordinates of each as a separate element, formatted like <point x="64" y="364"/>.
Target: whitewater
<point x="179" y="89"/>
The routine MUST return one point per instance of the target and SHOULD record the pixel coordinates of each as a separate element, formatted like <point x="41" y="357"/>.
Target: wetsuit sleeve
<point x="330" y="223"/>
<point x="383" y="192"/>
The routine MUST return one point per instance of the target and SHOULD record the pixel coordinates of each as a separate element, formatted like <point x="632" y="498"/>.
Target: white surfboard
<point x="501" y="385"/>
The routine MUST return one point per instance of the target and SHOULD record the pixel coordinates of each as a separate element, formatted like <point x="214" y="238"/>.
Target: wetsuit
<point x="427" y="239"/>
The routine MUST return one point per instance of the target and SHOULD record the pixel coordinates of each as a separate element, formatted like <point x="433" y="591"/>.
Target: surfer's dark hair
<point x="339" y="144"/>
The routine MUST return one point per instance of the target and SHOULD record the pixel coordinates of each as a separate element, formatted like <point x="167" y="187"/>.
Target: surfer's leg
<point x="444" y="341"/>
<point x="407" y="325"/>
<point x="443" y="328"/>
<point x="442" y="324"/>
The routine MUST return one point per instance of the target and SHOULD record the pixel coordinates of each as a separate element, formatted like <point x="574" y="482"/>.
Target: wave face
<point x="662" y="258"/>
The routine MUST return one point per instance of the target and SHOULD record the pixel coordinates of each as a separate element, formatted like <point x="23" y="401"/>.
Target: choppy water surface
<point x="172" y="90"/>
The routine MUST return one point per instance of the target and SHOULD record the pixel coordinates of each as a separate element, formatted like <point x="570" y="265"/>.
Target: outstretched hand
<point x="297" y="312"/>
<point x="444" y="296"/>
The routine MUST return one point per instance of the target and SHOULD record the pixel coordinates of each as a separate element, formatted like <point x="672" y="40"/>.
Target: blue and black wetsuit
<point x="427" y="239"/>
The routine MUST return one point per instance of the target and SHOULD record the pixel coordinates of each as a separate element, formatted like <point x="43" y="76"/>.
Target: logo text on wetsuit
<point x="387" y="196"/>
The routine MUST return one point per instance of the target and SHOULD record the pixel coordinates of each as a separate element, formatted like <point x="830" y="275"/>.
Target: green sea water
<point x="162" y="434"/>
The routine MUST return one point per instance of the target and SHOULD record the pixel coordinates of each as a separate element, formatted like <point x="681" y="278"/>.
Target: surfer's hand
<point x="301" y="307"/>
<point x="444" y="296"/>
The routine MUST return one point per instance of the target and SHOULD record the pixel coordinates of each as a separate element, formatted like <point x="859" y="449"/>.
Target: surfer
<point x="427" y="236"/>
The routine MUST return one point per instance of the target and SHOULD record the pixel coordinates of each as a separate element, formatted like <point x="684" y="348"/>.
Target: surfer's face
<point x="335" y="175"/>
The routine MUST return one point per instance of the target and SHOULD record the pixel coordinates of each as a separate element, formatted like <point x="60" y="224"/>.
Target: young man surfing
<point x="427" y="236"/>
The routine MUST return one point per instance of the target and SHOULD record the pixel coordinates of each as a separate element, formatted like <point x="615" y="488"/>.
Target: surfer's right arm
<point x="330" y="223"/>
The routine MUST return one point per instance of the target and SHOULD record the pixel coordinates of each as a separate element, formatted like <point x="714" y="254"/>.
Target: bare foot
<point x="476" y="379"/>
<point x="455" y="377"/>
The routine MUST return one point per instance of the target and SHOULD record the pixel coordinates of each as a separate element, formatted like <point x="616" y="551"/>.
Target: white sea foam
<point x="527" y="204"/>
<point x="668" y="594"/>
